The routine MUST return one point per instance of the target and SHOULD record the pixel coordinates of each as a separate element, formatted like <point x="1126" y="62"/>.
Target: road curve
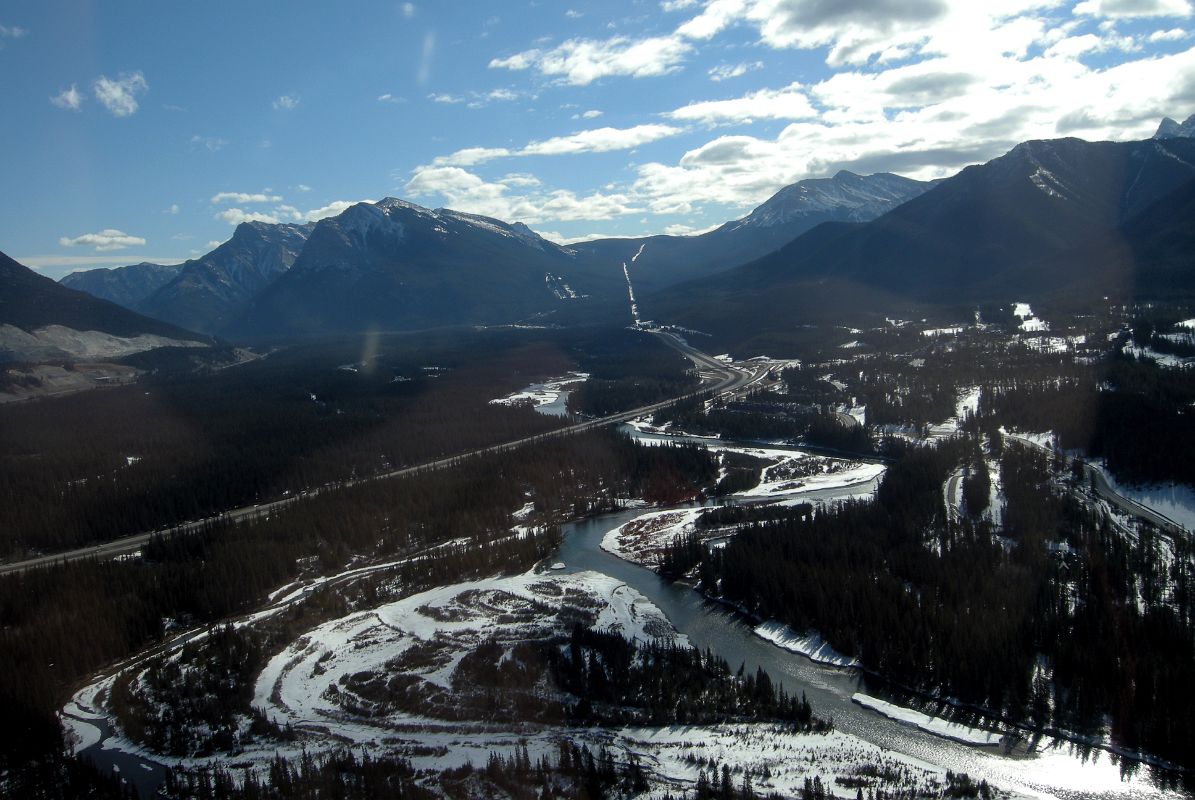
<point x="730" y="380"/>
<point x="1099" y="483"/>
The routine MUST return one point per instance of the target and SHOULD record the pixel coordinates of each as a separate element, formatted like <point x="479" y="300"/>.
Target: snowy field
<point x="546" y="397"/>
<point x="305" y="683"/>
<point x="929" y="723"/>
<point x="1173" y="500"/>
<point x="780" y="761"/>
<point x="421" y="640"/>
<point x="643" y="539"/>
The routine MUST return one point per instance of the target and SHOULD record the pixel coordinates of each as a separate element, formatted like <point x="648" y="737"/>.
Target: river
<point x="1048" y="768"/>
<point x="1053" y="768"/>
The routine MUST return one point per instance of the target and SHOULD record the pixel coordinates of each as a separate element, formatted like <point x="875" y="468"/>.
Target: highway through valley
<point x="722" y="379"/>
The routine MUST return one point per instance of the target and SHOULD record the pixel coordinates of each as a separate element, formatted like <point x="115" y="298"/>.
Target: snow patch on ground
<point x="81" y="734"/>
<point x="549" y="393"/>
<point x="928" y="723"/>
<point x="787" y="758"/>
<point x="968" y="403"/>
<point x="1163" y="359"/>
<point x="1173" y="500"/>
<point x="953" y="330"/>
<point x="1033" y="324"/>
<point x="778" y="481"/>
<point x="297" y="684"/>
<point x="642" y="540"/>
<point x="811" y="644"/>
<point x="55" y="340"/>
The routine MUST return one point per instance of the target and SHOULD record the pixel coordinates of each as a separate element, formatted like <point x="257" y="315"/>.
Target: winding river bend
<point x="1052" y="769"/>
<point x="1042" y="768"/>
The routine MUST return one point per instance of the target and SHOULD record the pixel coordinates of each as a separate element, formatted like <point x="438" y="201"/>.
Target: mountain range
<point x="208" y="293"/>
<point x="1050" y="218"/>
<point x="42" y="320"/>
<point x="396" y="265"/>
<point x="1022" y="224"/>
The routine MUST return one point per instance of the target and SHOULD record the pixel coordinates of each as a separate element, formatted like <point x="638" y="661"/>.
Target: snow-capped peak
<point x="859" y="196"/>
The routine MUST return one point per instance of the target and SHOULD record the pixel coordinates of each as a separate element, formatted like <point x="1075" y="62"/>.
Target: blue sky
<point x="145" y="131"/>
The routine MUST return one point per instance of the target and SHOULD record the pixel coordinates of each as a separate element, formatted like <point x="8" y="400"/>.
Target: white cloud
<point x="210" y="143"/>
<point x="596" y="140"/>
<point x="501" y="95"/>
<point x="331" y="210"/>
<point x="789" y="102"/>
<point x="561" y="239"/>
<point x="476" y="99"/>
<point x="70" y="98"/>
<point x="286" y="102"/>
<point x="592" y="113"/>
<point x="408" y="10"/>
<point x="724" y="72"/>
<point x="582" y="61"/>
<point x="279" y="213"/>
<point x="1134" y="8"/>
<point x="119" y="96"/>
<point x="389" y="98"/>
<point x="213" y="244"/>
<point x="104" y="241"/>
<point x="11" y="32"/>
<point x="235" y="216"/>
<point x="465" y="191"/>
<point x="676" y="5"/>
<point x="690" y="230"/>
<point x="1172" y="35"/>
<point x="470" y="156"/>
<point x="244" y="197"/>
<point x="173" y="209"/>
<point x="302" y="187"/>
<point x="926" y="120"/>
<point x="600" y="140"/>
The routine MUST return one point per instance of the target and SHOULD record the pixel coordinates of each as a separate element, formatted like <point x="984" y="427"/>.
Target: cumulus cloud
<point x="119" y="95"/>
<point x="389" y="98"/>
<point x="465" y="191"/>
<point x="70" y="98"/>
<point x="925" y="120"/>
<point x="286" y="102"/>
<point x="104" y="241"/>
<point x="281" y="212"/>
<point x="1171" y="35"/>
<point x="235" y="216"/>
<point x="596" y="140"/>
<point x="1134" y="8"/>
<point x="789" y="102"/>
<point x="579" y="62"/>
